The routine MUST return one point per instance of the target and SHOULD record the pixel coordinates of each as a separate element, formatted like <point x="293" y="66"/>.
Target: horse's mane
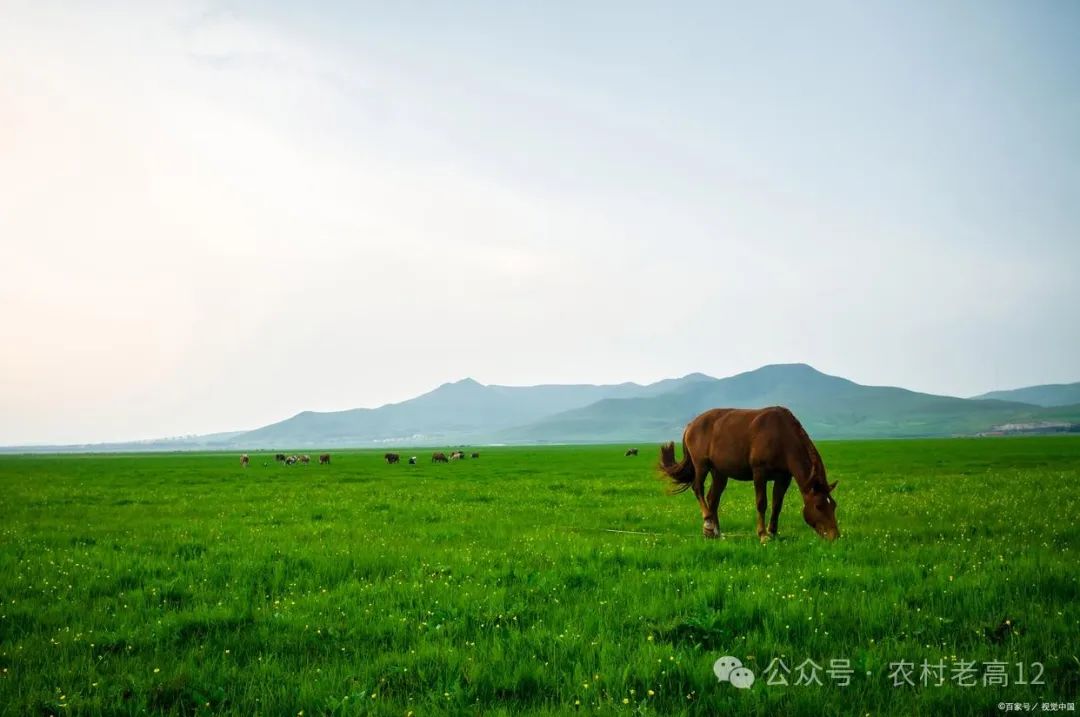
<point x="817" y="466"/>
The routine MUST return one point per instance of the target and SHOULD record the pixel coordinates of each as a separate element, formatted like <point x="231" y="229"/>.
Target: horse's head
<point x="819" y="510"/>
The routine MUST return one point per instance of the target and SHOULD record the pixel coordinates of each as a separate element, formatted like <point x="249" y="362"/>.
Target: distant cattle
<point x="457" y="455"/>
<point x="392" y="457"/>
<point x="291" y="460"/>
<point x="324" y="459"/>
<point x="631" y="451"/>
<point x="412" y="460"/>
<point x="280" y="457"/>
<point x="438" y="458"/>
<point x="305" y="459"/>
<point x="475" y="454"/>
<point x="244" y="460"/>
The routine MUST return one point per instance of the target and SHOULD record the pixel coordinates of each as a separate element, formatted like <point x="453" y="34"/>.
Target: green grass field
<point x="183" y="584"/>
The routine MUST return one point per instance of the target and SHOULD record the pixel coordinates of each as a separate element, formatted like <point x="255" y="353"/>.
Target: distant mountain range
<point x="1051" y="394"/>
<point x="829" y="407"/>
<point x="468" y="412"/>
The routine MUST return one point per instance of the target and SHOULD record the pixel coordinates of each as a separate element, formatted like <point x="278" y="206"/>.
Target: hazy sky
<point x="214" y="215"/>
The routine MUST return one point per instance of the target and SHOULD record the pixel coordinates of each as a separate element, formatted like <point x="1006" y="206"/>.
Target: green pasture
<point x="553" y="580"/>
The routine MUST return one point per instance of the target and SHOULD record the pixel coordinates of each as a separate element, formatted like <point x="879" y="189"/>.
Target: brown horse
<point x="244" y="460"/>
<point x="324" y="459"/>
<point x="438" y="458"/>
<point x="752" y="444"/>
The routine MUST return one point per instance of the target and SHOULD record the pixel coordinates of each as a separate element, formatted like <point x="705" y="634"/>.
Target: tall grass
<point x="184" y="584"/>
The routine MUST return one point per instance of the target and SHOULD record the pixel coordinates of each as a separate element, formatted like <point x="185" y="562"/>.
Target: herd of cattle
<point x="437" y="457"/>
<point x="324" y="459"/>
<point x="391" y="458"/>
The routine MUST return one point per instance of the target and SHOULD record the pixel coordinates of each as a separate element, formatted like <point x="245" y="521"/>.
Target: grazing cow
<point x="305" y="459"/>
<point x="392" y="457"/>
<point x="631" y="451"/>
<point x="280" y="457"/>
<point x="457" y="455"/>
<point x="438" y="458"/>
<point x="767" y="444"/>
<point x="290" y="460"/>
<point x="475" y="454"/>
<point x="324" y="459"/>
<point x="412" y="460"/>
<point x="244" y="460"/>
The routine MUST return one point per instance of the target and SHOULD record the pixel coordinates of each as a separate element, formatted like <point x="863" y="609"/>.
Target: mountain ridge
<point x="1047" y="395"/>
<point x="467" y="411"/>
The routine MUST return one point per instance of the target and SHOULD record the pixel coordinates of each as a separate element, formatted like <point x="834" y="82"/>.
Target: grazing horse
<point x="244" y="460"/>
<point x="280" y="457"/>
<point x="305" y="459"/>
<point x="324" y="459"/>
<point x="438" y="458"/>
<point x="631" y="451"/>
<point x="475" y="454"/>
<point x="392" y="457"/>
<point x="412" y="460"/>
<point x="766" y="444"/>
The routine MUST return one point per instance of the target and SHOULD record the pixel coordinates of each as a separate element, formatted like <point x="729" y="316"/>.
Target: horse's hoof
<point x="710" y="530"/>
<point x="765" y="539"/>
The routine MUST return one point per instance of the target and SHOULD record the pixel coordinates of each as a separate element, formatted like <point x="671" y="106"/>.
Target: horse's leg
<point x="700" y="472"/>
<point x="779" y="488"/>
<point x="719" y="483"/>
<point x="762" y="502"/>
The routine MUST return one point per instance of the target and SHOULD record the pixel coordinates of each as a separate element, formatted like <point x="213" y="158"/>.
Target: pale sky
<point x="215" y="215"/>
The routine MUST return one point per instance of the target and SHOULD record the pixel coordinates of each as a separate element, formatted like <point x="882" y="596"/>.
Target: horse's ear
<point x="832" y="486"/>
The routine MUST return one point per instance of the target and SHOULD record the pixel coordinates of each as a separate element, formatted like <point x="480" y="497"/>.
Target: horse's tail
<point x="681" y="474"/>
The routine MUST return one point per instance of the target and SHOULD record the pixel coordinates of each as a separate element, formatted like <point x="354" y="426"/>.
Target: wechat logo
<point x="730" y="669"/>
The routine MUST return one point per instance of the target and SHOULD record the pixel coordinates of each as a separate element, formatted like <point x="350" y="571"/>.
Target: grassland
<point x="183" y="584"/>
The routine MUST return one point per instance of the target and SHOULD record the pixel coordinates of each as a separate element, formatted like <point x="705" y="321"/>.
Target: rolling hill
<point x="1047" y="395"/>
<point x="461" y="411"/>
<point x="467" y="411"/>
<point x="829" y="407"/>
